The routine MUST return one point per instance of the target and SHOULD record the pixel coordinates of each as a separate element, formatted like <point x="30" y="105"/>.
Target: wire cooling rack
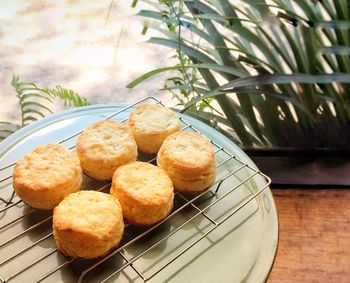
<point x="140" y="256"/>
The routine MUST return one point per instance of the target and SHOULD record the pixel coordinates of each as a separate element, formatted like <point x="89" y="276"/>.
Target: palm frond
<point x="289" y="62"/>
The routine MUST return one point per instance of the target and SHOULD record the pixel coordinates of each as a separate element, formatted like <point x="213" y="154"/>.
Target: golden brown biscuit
<point x="103" y="147"/>
<point x="151" y="124"/>
<point x="45" y="176"/>
<point x="189" y="160"/>
<point x="145" y="192"/>
<point x="87" y="224"/>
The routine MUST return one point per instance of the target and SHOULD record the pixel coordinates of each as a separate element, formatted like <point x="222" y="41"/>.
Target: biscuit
<point x="87" y="224"/>
<point x="189" y="160"/>
<point x="151" y="124"/>
<point x="103" y="147"/>
<point x="45" y="176"/>
<point x="145" y="192"/>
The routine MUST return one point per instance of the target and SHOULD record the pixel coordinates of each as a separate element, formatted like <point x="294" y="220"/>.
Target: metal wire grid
<point x="129" y="262"/>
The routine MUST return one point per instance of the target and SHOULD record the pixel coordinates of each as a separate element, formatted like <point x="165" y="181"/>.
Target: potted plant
<point x="273" y="75"/>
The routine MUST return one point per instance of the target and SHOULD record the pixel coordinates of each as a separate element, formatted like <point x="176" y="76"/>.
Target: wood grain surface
<point x="314" y="236"/>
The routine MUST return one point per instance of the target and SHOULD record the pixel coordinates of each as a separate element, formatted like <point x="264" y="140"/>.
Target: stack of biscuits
<point x="89" y="224"/>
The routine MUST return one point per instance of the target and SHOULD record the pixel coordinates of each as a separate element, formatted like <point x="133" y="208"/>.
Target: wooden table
<point x="314" y="235"/>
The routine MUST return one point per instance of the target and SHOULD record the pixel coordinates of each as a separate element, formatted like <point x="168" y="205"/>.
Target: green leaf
<point x="341" y="50"/>
<point x="5" y="123"/>
<point x="216" y="39"/>
<point x="287" y="79"/>
<point x="244" y="33"/>
<point x="31" y="111"/>
<point x="7" y="131"/>
<point x="134" y="3"/>
<point x="32" y="104"/>
<point x="68" y="96"/>
<point x="279" y="46"/>
<point x="211" y="66"/>
<point x="27" y="96"/>
<point x="306" y="7"/>
<point x="190" y="51"/>
<point x="226" y="104"/>
<point x="29" y="119"/>
<point x="334" y="24"/>
<point x="152" y="15"/>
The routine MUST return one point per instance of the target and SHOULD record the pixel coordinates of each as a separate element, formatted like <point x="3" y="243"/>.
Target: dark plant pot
<point x="314" y="167"/>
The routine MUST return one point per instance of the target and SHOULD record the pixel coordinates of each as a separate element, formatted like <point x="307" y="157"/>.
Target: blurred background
<point x="92" y="47"/>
